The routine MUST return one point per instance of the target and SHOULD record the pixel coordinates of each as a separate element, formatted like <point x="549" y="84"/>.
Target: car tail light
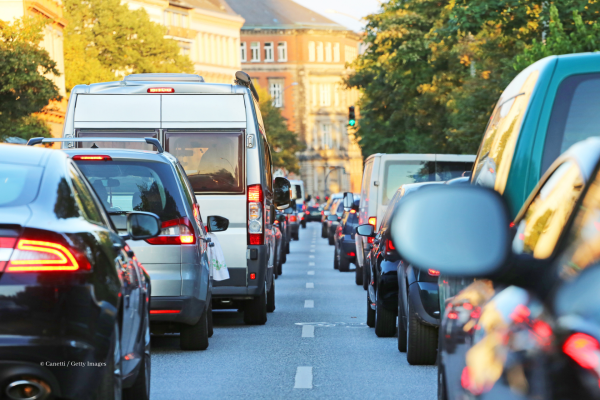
<point x="165" y="311"/>
<point x="352" y="211"/>
<point x="255" y="215"/>
<point x="175" y="231"/>
<point x="390" y="245"/>
<point x="370" y="240"/>
<point x="583" y="349"/>
<point x="161" y="90"/>
<point x="6" y="247"/>
<point x="372" y="221"/>
<point x="293" y="218"/>
<point x="322" y="212"/>
<point x="351" y="254"/>
<point x="52" y="253"/>
<point x="91" y="157"/>
<point x="452" y="315"/>
<point x="252" y="276"/>
<point x="433" y="272"/>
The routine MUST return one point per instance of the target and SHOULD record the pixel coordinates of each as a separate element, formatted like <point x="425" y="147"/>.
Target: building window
<point x="336" y="52"/>
<point x="313" y="90"/>
<point x="328" y="56"/>
<point x="184" y="49"/>
<point x="174" y="18"/>
<point x="269" y="52"/>
<point x="255" y="51"/>
<point x="336" y="95"/>
<point x="276" y="91"/>
<point x="326" y="139"/>
<point x="243" y="52"/>
<point x="325" y="95"/>
<point x="311" y="51"/>
<point x="351" y="53"/>
<point x="320" y="51"/>
<point x="282" y="51"/>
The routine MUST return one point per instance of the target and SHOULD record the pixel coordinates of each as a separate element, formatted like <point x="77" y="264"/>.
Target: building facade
<point x="52" y="42"/>
<point x="208" y="31"/>
<point x="300" y="57"/>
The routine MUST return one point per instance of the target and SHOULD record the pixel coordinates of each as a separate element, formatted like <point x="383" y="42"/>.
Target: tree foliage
<point x="105" y="40"/>
<point x="283" y="142"/>
<point x="435" y="68"/>
<point x="24" y="85"/>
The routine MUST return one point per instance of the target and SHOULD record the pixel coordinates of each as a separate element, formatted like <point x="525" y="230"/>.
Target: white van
<point x="298" y="195"/>
<point x="385" y="173"/>
<point x="217" y="134"/>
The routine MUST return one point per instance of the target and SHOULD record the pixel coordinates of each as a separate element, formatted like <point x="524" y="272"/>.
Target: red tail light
<point x="433" y="272"/>
<point x="252" y="276"/>
<point x="161" y="90"/>
<point x="293" y="218"/>
<point x="54" y="254"/>
<point x="255" y="215"/>
<point x="175" y="231"/>
<point x="351" y="254"/>
<point x="353" y="211"/>
<point x="6" y="246"/>
<point x="372" y="221"/>
<point x="165" y="311"/>
<point x="370" y="240"/>
<point x="390" y="245"/>
<point x="322" y="212"/>
<point x="452" y="315"/>
<point x="94" y="157"/>
<point x="584" y="349"/>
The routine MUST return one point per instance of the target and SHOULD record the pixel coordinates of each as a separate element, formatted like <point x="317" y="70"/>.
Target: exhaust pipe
<point x="27" y="389"/>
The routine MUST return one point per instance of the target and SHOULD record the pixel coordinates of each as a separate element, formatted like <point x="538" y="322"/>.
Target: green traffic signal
<point x="352" y="122"/>
<point x="351" y="116"/>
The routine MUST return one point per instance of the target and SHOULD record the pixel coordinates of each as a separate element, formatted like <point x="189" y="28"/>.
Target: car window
<point x="268" y="163"/>
<point x="118" y="145"/>
<point x="19" y="184"/>
<point x="544" y="220"/>
<point x="364" y="191"/>
<point x="398" y="173"/>
<point x="575" y="115"/>
<point x="213" y="162"/>
<point x="390" y="210"/>
<point x="85" y="199"/>
<point x="500" y="139"/>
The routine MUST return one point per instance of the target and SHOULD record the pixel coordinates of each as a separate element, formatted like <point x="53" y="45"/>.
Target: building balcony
<point x="185" y="33"/>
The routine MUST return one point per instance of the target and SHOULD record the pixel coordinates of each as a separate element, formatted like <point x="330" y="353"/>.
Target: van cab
<point x="217" y="134"/>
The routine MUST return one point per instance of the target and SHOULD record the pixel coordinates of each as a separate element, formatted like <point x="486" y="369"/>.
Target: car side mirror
<point x="457" y="230"/>
<point x="143" y="225"/>
<point x="332" y="217"/>
<point x="281" y="190"/>
<point x="365" y="230"/>
<point x="348" y="201"/>
<point x="217" y="223"/>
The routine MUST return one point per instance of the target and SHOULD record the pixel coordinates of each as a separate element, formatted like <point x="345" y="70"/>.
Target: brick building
<point x="301" y="56"/>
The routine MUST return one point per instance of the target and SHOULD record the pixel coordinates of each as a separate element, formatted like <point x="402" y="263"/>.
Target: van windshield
<point x="213" y="162"/>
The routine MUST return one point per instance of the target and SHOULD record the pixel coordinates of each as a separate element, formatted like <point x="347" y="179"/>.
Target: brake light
<point x="45" y="256"/>
<point x="452" y="315"/>
<point x="6" y="246"/>
<point x="584" y="349"/>
<point x="165" y="311"/>
<point x="351" y="254"/>
<point x="433" y="272"/>
<point x="255" y="215"/>
<point x="372" y="221"/>
<point x="161" y="90"/>
<point x="322" y="212"/>
<point x="293" y="218"/>
<point x="370" y="240"/>
<point x="175" y="231"/>
<point x="391" y="245"/>
<point x="352" y="211"/>
<point x="80" y="157"/>
<point x="252" y="276"/>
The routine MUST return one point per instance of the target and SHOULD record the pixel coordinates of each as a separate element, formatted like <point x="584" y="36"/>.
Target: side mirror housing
<point x="348" y="201"/>
<point x="217" y="223"/>
<point x="457" y="230"/>
<point x="365" y="230"/>
<point x="281" y="190"/>
<point x="143" y="225"/>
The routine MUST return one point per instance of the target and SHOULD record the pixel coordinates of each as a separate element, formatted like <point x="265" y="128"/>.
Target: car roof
<point x="124" y="154"/>
<point x="25" y="155"/>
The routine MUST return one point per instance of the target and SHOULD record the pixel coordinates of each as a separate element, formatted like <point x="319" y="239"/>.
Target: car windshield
<point x="19" y="184"/>
<point x="125" y="186"/>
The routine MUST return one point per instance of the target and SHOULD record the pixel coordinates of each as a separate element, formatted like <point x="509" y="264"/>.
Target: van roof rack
<point x="152" y="141"/>
<point x="164" y="77"/>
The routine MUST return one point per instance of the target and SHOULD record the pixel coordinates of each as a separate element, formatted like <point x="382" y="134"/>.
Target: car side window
<point x="190" y="197"/>
<point x="88" y="204"/>
<point x="268" y="163"/>
<point x="546" y="216"/>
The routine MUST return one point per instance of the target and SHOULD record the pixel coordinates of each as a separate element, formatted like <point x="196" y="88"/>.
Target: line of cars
<point x="109" y="240"/>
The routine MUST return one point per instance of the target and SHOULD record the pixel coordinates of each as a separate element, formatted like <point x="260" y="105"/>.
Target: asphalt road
<point x="339" y="357"/>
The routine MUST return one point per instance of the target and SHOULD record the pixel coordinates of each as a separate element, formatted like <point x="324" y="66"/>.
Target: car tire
<point x="366" y="273"/>
<point x="330" y="240"/>
<point x="421" y="339"/>
<point x="442" y="393"/>
<point x="195" y="337"/>
<point x="111" y="381"/>
<point x="296" y="236"/>
<point x="280" y="267"/>
<point x="358" y="275"/>
<point x="210" y="320"/>
<point x="255" y="311"/>
<point x="385" y="320"/>
<point x="370" y="314"/>
<point x="344" y="264"/>
<point x="336" y="259"/>
<point x="271" y="298"/>
<point x="287" y="248"/>
<point x="303" y="224"/>
<point x="141" y="387"/>
<point x="401" y="328"/>
<point x="323" y="231"/>
<point x="283" y="256"/>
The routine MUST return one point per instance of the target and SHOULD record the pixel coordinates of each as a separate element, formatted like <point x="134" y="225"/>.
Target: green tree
<point x="283" y="142"/>
<point x="24" y="85"/>
<point x="105" y="40"/>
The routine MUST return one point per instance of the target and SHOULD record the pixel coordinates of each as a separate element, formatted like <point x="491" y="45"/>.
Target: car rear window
<point x="125" y="186"/>
<point x="213" y="162"/>
<point x="19" y="184"/>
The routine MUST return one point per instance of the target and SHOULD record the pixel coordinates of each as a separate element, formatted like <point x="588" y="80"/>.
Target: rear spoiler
<point x="151" y="141"/>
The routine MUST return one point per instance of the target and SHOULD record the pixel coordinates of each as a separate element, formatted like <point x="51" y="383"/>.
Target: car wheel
<point x="210" y="320"/>
<point x="336" y="259"/>
<point x="385" y="320"/>
<point x="195" y="337"/>
<point x="303" y="224"/>
<point x="283" y="256"/>
<point x="112" y="380"/>
<point x="441" y="382"/>
<point x="344" y="264"/>
<point x="421" y="340"/>
<point x="330" y="240"/>
<point x="280" y="266"/>
<point x="255" y="312"/>
<point x="366" y="277"/>
<point x="297" y="236"/>
<point x="141" y="387"/>
<point x="358" y="275"/>
<point x="271" y="298"/>
<point x="323" y="231"/>
<point x="370" y="314"/>
<point x="287" y="248"/>
<point x="401" y="328"/>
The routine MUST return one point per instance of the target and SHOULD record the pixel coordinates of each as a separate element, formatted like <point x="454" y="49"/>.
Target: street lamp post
<point x="331" y="169"/>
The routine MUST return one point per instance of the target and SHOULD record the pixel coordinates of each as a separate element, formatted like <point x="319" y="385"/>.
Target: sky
<point x="354" y="8"/>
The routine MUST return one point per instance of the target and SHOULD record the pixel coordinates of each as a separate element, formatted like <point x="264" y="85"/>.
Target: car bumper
<point x="182" y="309"/>
<point x="347" y="248"/>
<point x="294" y="228"/>
<point x="241" y="286"/>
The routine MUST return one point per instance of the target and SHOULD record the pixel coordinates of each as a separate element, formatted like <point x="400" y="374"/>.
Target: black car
<point x="337" y="210"/>
<point x="72" y="294"/>
<point x="313" y="213"/>
<point x="345" y="247"/>
<point x="533" y="330"/>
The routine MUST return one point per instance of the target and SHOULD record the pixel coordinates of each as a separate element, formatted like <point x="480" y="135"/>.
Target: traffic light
<point x="351" y="116"/>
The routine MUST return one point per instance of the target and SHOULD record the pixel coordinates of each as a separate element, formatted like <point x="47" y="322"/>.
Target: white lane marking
<point x="309" y="304"/>
<point x="312" y="245"/>
<point x="311" y="264"/>
<point x="308" y="331"/>
<point x="310" y="285"/>
<point x="311" y="255"/>
<point x="312" y="250"/>
<point x="304" y="378"/>
<point x="311" y="272"/>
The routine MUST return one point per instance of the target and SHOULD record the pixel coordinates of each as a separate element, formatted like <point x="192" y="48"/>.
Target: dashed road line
<point x="310" y="285"/>
<point x="308" y="331"/>
<point x="311" y="264"/>
<point x="309" y="304"/>
<point x="304" y="378"/>
<point x="311" y="256"/>
<point x="311" y="272"/>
